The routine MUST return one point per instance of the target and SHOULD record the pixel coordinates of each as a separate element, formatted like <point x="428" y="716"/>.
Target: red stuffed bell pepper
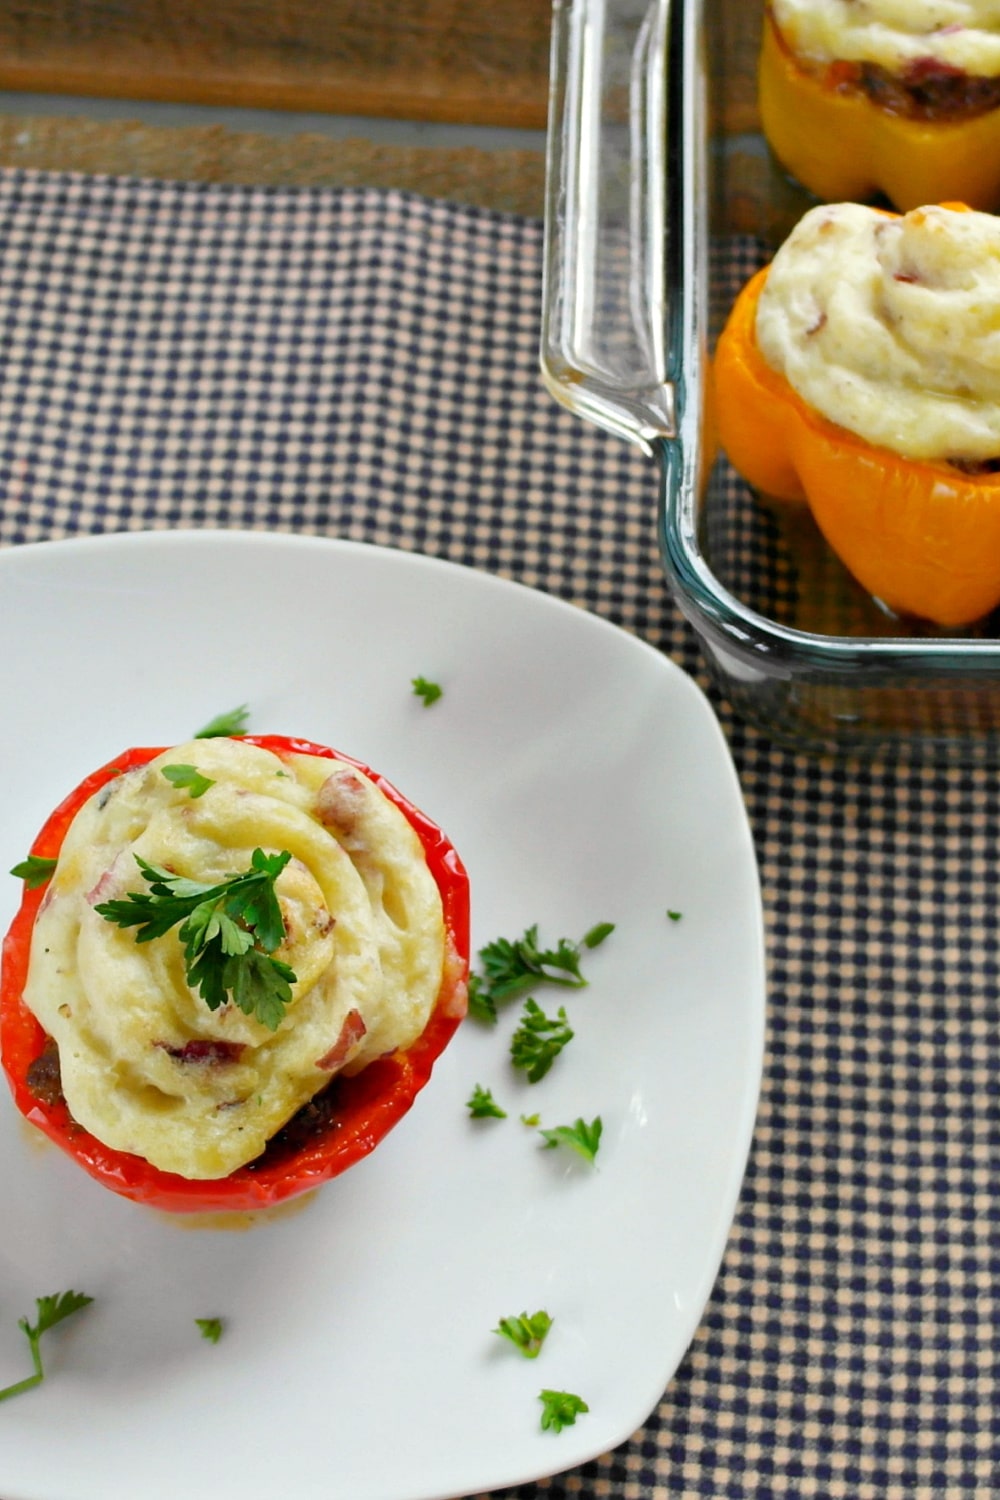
<point x="324" y="1059"/>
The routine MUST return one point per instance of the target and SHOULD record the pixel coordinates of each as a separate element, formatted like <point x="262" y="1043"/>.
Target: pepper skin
<point x="845" y="148"/>
<point x="368" y="1104"/>
<point x="921" y="537"/>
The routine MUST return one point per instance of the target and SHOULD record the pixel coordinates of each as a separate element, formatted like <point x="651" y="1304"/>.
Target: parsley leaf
<point x="430" y="692"/>
<point x="526" y="1333"/>
<point x="512" y="967"/>
<point x="482" y="1105"/>
<point x="481" y="1004"/>
<point x="51" y="1310"/>
<point x="226" y="726"/>
<point x="228" y="931"/>
<point x="260" y="985"/>
<point x="538" y="1040"/>
<point x="34" y="871"/>
<point x="595" y="937"/>
<point x="674" y="916"/>
<point x="211" y="1329"/>
<point x="580" y="1137"/>
<point x="189" y="778"/>
<point x="560" y="1409"/>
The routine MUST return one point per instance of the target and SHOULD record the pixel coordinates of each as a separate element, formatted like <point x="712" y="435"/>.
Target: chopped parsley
<point x="189" y="779"/>
<point x="34" y="871"/>
<point x="430" y="692"/>
<point x="229" y="932"/>
<point x="211" y="1329"/>
<point x="560" y="1409"/>
<point x="526" y="1332"/>
<point x="226" y="726"/>
<point x="580" y="1137"/>
<point x="51" y="1310"/>
<point x="482" y="1105"/>
<point x="538" y="1040"/>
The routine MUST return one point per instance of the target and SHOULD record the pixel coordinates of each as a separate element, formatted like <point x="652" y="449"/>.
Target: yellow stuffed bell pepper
<point x="922" y="537"/>
<point x="843" y="145"/>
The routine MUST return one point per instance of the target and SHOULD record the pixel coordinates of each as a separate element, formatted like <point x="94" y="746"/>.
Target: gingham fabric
<point x="364" y="365"/>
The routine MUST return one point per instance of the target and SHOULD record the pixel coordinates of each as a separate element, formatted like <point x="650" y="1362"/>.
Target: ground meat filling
<point x="315" y="1119"/>
<point x="44" y="1078"/>
<point x="976" y="466"/>
<point x="929" y="90"/>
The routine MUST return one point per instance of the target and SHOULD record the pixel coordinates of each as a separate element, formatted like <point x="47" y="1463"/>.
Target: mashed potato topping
<point x="146" y="1066"/>
<point x="890" y="327"/>
<point x="895" y="34"/>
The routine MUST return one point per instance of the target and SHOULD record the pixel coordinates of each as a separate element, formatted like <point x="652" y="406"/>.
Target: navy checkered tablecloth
<point x="363" y="365"/>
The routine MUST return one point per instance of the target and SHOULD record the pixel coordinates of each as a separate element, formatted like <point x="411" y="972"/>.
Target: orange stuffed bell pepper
<point x="233" y="968"/>
<point x="902" y="112"/>
<point x="897" y="460"/>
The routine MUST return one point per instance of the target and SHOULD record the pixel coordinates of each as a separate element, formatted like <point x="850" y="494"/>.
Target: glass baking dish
<point x="661" y="200"/>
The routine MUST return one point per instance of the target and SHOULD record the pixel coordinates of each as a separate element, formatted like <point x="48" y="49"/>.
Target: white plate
<point x="584" y="778"/>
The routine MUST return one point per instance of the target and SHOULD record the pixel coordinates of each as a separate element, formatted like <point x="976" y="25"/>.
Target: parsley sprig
<point x="51" y="1310"/>
<point x="510" y="968"/>
<point x="538" y="1040"/>
<point x="229" y="932"/>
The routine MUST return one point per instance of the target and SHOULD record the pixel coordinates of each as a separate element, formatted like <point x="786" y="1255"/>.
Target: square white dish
<point x="583" y="777"/>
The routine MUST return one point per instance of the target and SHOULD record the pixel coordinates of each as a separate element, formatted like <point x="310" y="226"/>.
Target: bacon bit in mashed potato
<point x="351" y="1033"/>
<point x="340" y="801"/>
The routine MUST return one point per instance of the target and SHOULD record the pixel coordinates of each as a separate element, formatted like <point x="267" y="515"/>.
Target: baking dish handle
<point x="604" y="315"/>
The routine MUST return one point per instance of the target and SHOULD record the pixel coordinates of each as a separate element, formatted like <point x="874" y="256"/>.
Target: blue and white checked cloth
<point x="363" y="365"/>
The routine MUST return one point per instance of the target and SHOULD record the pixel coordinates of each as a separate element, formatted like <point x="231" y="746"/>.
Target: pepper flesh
<point x="368" y="1104"/>
<point x="921" y="537"/>
<point x="844" y="147"/>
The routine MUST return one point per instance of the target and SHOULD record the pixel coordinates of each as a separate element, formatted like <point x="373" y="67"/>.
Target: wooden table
<point x="427" y="60"/>
<point x="411" y="59"/>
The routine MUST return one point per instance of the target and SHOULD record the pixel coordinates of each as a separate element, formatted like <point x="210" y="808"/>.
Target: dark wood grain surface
<point x="433" y="60"/>
<point x="509" y="181"/>
<point x="442" y="60"/>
